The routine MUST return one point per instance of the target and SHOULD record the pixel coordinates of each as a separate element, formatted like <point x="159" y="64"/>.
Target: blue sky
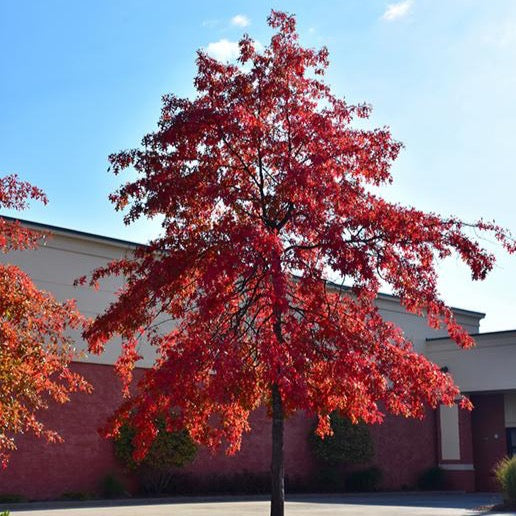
<point x="80" y="80"/>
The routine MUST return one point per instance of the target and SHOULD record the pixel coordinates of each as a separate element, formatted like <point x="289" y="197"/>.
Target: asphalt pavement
<point x="392" y="504"/>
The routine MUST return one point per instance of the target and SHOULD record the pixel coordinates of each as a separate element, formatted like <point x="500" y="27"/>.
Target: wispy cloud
<point x="240" y="20"/>
<point x="210" y="23"/>
<point x="223" y="50"/>
<point x="502" y="34"/>
<point x="397" y="10"/>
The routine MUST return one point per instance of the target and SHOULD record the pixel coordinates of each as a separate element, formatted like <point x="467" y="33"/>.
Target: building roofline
<point x="392" y="297"/>
<point x="481" y="334"/>
<point x="128" y="243"/>
<point x="74" y="232"/>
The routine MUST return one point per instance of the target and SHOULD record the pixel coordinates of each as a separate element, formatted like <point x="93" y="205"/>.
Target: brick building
<point x="466" y="445"/>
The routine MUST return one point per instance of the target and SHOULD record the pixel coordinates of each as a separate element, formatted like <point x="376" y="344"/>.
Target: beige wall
<point x="416" y="329"/>
<point x="490" y="366"/>
<point x="450" y="439"/>
<point x="510" y="409"/>
<point x="67" y="256"/>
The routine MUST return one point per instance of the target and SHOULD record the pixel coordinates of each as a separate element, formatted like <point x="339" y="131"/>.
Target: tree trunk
<point x="277" y="469"/>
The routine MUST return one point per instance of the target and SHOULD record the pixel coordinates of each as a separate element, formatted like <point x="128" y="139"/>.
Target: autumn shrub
<point x="349" y="444"/>
<point x="36" y="347"/>
<point x="431" y="479"/>
<point x="505" y="472"/>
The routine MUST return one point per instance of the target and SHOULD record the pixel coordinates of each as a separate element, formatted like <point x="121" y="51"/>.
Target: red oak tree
<point x="35" y="351"/>
<point x="265" y="189"/>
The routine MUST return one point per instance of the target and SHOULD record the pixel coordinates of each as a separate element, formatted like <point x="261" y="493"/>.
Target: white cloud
<point x="223" y="50"/>
<point x="240" y="20"/>
<point x="397" y="10"/>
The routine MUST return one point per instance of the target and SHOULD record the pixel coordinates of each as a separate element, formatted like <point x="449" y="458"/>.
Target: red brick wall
<point x="255" y="453"/>
<point x="489" y="440"/>
<point x="404" y="448"/>
<point x="38" y="470"/>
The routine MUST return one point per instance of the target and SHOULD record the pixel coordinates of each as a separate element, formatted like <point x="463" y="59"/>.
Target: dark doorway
<point x="489" y="438"/>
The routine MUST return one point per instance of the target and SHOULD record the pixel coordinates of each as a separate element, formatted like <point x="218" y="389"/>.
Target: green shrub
<point x="431" y="479"/>
<point x="11" y="498"/>
<point x="505" y="472"/>
<point x="76" y="496"/>
<point x="364" y="480"/>
<point x="241" y="483"/>
<point x="330" y="479"/>
<point x="169" y="449"/>
<point x="5" y="513"/>
<point x="349" y="444"/>
<point x="298" y="484"/>
<point x="112" y="487"/>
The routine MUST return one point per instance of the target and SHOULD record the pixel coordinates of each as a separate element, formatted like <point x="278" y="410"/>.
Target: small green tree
<point x="505" y="472"/>
<point x="349" y="444"/>
<point x="168" y="451"/>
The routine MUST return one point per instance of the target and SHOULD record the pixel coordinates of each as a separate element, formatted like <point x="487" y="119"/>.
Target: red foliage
<point x="264" y="186"/>
<point x="34" y="350"/>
